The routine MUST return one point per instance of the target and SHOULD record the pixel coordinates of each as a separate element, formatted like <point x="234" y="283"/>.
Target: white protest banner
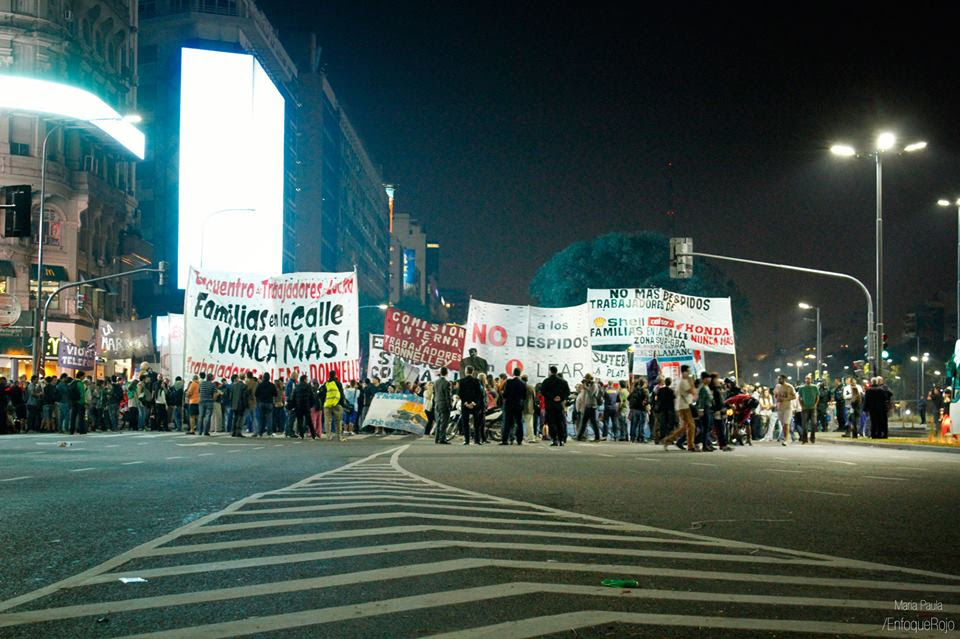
<point x="669" y="365"/>
<point x="657" y="321"/>
<point x="610" y="365"/>
<point x="398" y="412"/>
<point x="530" y="338"/>
<point x="385" y="365"/>
<point x="290" y="325"/>
<point x="170" y="345"/>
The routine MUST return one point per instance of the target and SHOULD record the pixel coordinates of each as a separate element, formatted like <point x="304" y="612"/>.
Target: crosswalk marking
<point x="374" y="508"/>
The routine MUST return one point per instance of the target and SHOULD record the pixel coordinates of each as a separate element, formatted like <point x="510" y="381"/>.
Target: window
<point x="52" y="228"/>
<point x="16" y="148"/>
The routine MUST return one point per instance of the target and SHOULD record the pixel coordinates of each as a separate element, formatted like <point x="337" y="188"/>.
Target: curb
<point x="921" y="447"/>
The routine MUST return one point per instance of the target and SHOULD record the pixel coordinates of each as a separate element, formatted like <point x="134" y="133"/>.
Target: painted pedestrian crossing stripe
<point x="372" y="542"/>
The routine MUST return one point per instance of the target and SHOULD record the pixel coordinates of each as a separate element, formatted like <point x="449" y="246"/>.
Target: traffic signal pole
<point x="872" y="337"/>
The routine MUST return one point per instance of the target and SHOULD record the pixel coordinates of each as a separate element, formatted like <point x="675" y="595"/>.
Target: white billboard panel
<point x="231" y="165"/>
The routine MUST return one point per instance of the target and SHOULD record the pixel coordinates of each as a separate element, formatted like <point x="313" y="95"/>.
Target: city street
<point x="397" y="537"/>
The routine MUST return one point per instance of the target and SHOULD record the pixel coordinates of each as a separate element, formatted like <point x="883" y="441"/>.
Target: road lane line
<point x="17" y="478"/>
<point x="703" y="464"/>
<point x="653" y="459"/>
<point x="131" y="463"/>
<point x="840" y="461"/>
<point x="80" y="470"/>
<point x="782" y="470"/>
<point x="176" y="457"/>
<point x="887" y="478"/>
<point x="113" y="446"/>
<point x="205" y="454"/>
<point x="379" y="504"/>
<point x="824" y="492"/>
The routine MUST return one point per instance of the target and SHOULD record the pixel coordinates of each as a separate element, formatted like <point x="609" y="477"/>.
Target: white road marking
<point x="703" y="464"/>
<point x="887" y="478"/>
<point x="782" y="470"/>
<point x="259" y="447"/>
<point x="824" y="492"/>
<point x="177" y="457"/>
<point x="235" y="451"/>
<point x="131" y="463"/>
<point x="840" y="461"/>
<point x="113" y="446"/>
<point x="80" y="470"/>
<point x="653" y="459"/>
<point x="17" y="478"/>
<point x="205" y="454"/>
<point x="604" y="455"/>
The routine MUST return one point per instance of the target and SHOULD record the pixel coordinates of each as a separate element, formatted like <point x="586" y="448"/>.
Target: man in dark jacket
<point x="514" y="396"/>
<point x="474" y="361"/>
<point x="876" y="400"/>
<point x="442" y="402"/>
<point x="265" y="394"/>
<point x="302" y="400"/>
<point x="472" y="401"/>
<point x="238" y="405"/>
<point x="556" y="392"/>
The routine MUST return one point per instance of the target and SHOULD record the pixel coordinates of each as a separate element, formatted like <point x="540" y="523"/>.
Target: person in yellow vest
<point x="331" y="398"/>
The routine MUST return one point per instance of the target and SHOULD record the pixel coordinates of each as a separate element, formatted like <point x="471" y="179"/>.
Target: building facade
<point x="341" y="204"/>
<point x="411" y="256"/>
<point x="91" y="217"/>
<point x="232" y="26"/>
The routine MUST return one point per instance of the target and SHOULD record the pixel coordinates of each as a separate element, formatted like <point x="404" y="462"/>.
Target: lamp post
<point x="886" y="142"/>
<point x="38" y="345"/>
<point x="956" y="203"/>
<point x="807" y="307"/>
<point x="798" y="364"/>
<point x="921" y="361"/>
<point x="382" y="307"/>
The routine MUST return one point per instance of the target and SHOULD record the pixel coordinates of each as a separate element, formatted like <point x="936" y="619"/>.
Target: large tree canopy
<point x="622" y="260"/>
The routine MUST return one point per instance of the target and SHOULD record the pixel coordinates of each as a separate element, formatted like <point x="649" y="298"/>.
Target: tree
<point x="622" y="260"/>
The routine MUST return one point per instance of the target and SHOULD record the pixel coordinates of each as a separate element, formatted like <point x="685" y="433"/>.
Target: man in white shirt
<point x="853" y="398"/>
<point x="685" y="398"/>
<point x="784" y="395"/>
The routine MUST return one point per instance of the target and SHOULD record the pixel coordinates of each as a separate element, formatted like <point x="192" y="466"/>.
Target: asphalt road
<point x="397" y="537"/>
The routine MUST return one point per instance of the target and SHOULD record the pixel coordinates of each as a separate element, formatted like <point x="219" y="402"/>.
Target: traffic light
<point x="17" y="202"/>
<point x="681" y="257"/>
<point x="81" y="299"/>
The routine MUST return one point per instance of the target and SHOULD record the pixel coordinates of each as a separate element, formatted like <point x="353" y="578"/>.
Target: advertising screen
<point x="231" y="165"/>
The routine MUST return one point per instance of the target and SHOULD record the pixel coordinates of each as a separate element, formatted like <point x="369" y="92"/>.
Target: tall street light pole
<point x="957" y="204"/>
<point x="886" y="142"/>
<point x="921" y="362"/>
<point x="808" y="307"/>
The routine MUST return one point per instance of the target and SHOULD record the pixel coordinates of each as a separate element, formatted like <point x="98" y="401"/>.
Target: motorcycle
<point x="492" y="420"/>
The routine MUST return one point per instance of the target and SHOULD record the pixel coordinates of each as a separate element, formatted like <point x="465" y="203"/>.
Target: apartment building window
<point x="21" y="134"/>
<point x="52" y="228"/>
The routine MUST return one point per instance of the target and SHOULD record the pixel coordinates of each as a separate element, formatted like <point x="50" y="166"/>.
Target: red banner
<point x="421" y="342"/>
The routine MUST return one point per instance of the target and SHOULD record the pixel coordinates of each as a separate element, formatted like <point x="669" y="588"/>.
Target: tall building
<point x="342" y="206"/>
<point x="412" y="258"/>
<point x="218" y="92"/>
<point x="85" y="54"/>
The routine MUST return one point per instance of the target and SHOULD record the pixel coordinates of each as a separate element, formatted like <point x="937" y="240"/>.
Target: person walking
<point x="472" y="403"/>
<point x="78" y="405"/>
<point x="514" y="398"/>
<point x="587" y="401"/>
<point x="685" y="399"/>
<point x="783" y="396"/>
<point x="809" y="396"/>
<point x="442" y="403"/>
<point x="331" y="398"/>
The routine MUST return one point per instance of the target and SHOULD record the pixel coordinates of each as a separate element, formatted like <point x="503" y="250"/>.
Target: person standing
<point x="206" y="392"/>
<point x="555" y="391"/>
<point x="529" y="410"/>
<point x="704" y="406"/>
<point x="823" y="405"/>
<point x="514" y="398"/>
<point x="49" y="403"/>
<point x="193" y="404"/>
<point x="302" y="401"/>
<point x="839" y="406"/>
<point x="238" y="405"/>
<point x="442" y="402"/>
<point x="34" y="401"/>
<point x="78" y="401"/>
<point x="331" y="398"/>
<point x="683" y="402"/>
<point x="160" y="408"/>
<point x="474" y="361"/>
<point x="783" y="396"/>
<point x="265" y="393"/>
<point x="809" y="396"/>
<point x="638" y="401"/>
<point x="428" y="408"/>
<point x="876" y="401"/>
<point x="249" y="419"/>
<point x="853" y="399"/>
<point x="666" y="408"/>
<point x="472" y="402"/>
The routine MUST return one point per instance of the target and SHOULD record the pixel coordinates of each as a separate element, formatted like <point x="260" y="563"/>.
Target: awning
<point x="51" y="273"/>
<point x="6" y="269"/>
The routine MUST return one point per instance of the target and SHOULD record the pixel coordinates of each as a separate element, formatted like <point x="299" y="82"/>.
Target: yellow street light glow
<point x="916" y="146"/>
<point x="943" y="202"/>
<point x="62" y="100"/>
<point x="843" y="150"/>
<point x="804" y="306"/>
<point x="886" y="141"/>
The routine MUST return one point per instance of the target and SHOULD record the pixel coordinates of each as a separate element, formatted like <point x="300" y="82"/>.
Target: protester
<point x="442" y="392"/>
<point x="331" y="398"/>
<point x="809" y="396"/>
<point x="472" y="401"/>
<point x="784" y="394"/>
<point x="685" y="398"/>
<point x="514" y="397"/>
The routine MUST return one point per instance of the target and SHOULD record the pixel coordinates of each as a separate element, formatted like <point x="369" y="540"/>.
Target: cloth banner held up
<point x="385" y="365"/>
<point x="658" y="322"/>
<point x="120" y="340"/>
<point x="76" y="357"/>
<point x="290" y="325"/>
<point x="422" y="342"/>
<point x="398" y="412"/>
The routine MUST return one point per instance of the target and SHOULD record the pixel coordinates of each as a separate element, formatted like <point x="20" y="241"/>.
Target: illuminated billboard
<point x="231" y="165"/>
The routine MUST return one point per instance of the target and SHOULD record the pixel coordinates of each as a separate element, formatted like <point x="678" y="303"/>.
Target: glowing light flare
<point x="62" y="100"/>
<point x="886" y="141"/>
<point x="843" y="150"/>
<point x="914" y="147"/>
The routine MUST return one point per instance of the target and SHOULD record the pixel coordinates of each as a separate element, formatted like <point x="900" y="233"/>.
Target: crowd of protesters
<point x="697" y="413"/>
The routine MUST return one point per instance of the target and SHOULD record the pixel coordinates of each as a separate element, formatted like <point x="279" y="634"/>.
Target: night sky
<point x="514" y="130"/>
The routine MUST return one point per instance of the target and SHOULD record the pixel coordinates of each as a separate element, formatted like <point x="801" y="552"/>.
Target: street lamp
<point x="956" y="203"/>
<point x="807" y="307"/>
<point x="921" y="361"/>
<point x="799" y="365"/>
<point x="886" y="142"/>
<point x="37" y="345"/>
<point x="382" y="307"/>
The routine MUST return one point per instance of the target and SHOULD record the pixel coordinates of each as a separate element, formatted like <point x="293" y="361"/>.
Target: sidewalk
<point x="902" y="437"/>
